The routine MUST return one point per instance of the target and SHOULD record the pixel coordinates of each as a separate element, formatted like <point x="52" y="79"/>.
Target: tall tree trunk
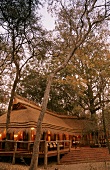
<point x="105" y="131"/>
<point x="34" y="160"/>
<point x="103" y="114"/>
<point x="10" y="108"/>
<point x="35" y="155"/>
<point x="80" y="41"/>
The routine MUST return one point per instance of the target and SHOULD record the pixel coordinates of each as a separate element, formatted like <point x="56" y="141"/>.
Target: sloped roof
<point x="26" y="118"/>
<point x="80" y="125"/>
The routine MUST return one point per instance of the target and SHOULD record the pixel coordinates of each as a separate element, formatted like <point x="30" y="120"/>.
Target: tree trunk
<point x="105" y="131"/>
<point x="82" y="38"/>
<point x="14" y="84"/>
<point x="10" y="108"/>
<point x="103" y="114"/>
<point x="35" y="155"/>
<point x="34" y="160"/>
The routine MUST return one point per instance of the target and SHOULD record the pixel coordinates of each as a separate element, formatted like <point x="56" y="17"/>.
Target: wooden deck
<point x="48" y="149"/>
<point x="26" y="154"/>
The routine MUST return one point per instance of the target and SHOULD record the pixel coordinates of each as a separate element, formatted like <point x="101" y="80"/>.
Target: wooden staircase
<point x="86" y="154"/>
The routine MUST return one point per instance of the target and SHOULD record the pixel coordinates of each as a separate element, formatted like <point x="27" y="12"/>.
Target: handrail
<point x="58" y="147"/>
<point x="19" y="141"/>
<point x="22" y="141"/>
<point x="29" y="147"/>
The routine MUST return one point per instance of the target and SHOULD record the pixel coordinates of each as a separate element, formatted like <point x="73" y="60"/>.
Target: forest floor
<point x="53" y="166"/>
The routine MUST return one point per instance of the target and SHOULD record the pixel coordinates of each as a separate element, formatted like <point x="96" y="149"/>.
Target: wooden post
<point x="14" y="153"/>
<point x="45" y="155"/>
<point x="58" y="153"/>
<point x="64" y="144"/>
<point x="70" y="145"/>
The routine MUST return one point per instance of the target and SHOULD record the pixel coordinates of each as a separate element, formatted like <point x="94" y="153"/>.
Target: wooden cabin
<point x="55" y="127"/>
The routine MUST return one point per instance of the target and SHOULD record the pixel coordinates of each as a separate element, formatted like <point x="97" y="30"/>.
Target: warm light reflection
<point x="20" y="135"/>
<point x="32" y="133"/>
<point x="32" y="128"/>
<point x="4" y="134"/>
<point x="15" y="137"/>
<point x="0" y="136"/>
<point x="49" y="136"/>
<point x="48" y="132"/>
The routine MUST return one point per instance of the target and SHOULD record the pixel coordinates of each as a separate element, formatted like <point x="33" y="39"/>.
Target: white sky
<point x="47" y="20"/>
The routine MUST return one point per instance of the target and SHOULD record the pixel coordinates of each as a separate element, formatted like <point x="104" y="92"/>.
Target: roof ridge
<point x="26" y="100"/>
<point x="30" y="103"/>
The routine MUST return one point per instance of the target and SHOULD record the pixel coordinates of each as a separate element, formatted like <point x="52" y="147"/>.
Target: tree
<point x="104" y="111"/>
<point x="90" y="16"/>
<point x="32" y="86"/>
<point x="76" y="89"/>
<point x="89" y="65"/>
<point x="18" y="21"/>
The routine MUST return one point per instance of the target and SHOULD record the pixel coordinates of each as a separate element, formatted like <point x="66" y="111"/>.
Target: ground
<point x="53" y="166"/>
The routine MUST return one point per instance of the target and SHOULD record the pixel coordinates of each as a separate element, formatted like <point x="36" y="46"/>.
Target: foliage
<point x="76" y="90"/>
<point x="21" y="28"/>
<point x="17" y="19"/>
<point x="33" y="86"/>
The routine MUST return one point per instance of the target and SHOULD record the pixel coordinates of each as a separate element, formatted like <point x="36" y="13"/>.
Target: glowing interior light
<point x="32" y="128"/>
<point x="48" y="132"/>
<point x="15" y="136"/>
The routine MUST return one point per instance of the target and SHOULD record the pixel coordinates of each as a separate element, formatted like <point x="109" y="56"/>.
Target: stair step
<point x="85" y="155"/>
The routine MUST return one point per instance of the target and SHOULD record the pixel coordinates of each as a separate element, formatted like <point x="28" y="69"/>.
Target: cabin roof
<point x="25" y="115"/>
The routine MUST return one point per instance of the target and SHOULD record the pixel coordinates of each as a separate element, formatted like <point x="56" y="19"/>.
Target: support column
<point x="70" y="145"/>
<point x="58" y="153"/>
<point x="14" y="153"/>
<point x="45" y="155"/>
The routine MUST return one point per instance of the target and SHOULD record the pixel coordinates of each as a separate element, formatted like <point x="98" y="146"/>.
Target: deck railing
<point x="45" y="148"/>
<point x="28" y="145"/>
